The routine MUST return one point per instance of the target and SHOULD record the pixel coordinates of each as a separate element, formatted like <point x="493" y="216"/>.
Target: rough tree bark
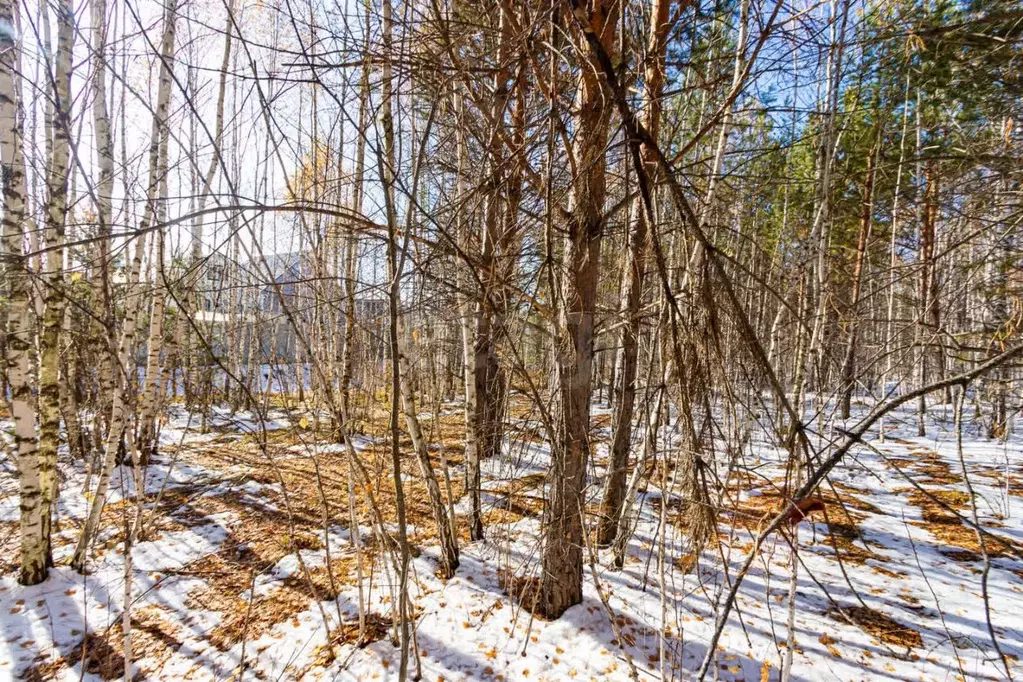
<point x="929" y="311"/>
<point x="386" y="165"/>
<point x="153" y="381"/>
<point x="632" y="286"/>
<point x="561" y="581"/>
<point x="485" y="425"/>
<point x="467" y="326"/>
<point x="866" y="213"/>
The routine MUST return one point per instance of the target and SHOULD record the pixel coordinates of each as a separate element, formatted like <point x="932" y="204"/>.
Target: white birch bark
<point x="34" y="545"/>
<point x="117" y="414"/>
<point x="53" y="274"/>
<point x="153" y="375"/>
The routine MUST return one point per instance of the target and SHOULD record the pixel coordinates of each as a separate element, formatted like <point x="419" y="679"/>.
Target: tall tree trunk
<point x="386" y="164"/>
<point x="632" y="286"/>
<point x="53" y="300"/>
<point x="133" y="302"/>
<point x="147" y="426"/>
<point x="889" y="330"/>
<point x="866" y="214"/>
<point x="68" y="390"/>
<point x="445" y="531"/>
<point x="485" y="426"/>
<point x="153" y="381"/>
<point x="352" y="250"/>
<point x="561" y="581"/>
<point x="822" y="223"/>
<point x="102" y="305"/>
<point x="35" y="544"/>
<point x="153" y="376"/>
<point x="926" y="337"/>
<point x="467" y="323"/>
<point x="934" y="300"/>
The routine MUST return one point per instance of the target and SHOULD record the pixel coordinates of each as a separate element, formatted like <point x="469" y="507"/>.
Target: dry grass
<point x="517" y="502"/>
<point x="524" y="590"/>
<point x="686" y="563"/>
<point x="521" y="407"/>
<point x="879" y="626"/>
<point x="312" y="481"/>
<point x="103" y="656"/>
<point x="853" y="500"/>
<point x="757" y="510"/>
<point x="230" y="573"/>
<point x="501" y="515"/>
<point x="266" y="613"/>
<point x="251" y="620"/>
<point x="10" y="543"/>
<point x="518" y="485"/>
<point x="931" y="468"/>
<point x="153" y="640"/>
<point x="957" y="540"/>
<point x="377" y="629"/>
<point x="317" y="487"/>
<point x="1016" y="485"/>
<point x="847" y="540"/>
<point x="270" y="528"/>
<point x="838" y="526"/>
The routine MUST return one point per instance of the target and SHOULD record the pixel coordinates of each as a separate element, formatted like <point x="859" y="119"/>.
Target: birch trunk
<point x="127" y="340"/>
<point x="467" y="327"/>
<point x="35" y="545"/>
<point x="152" y="381"/>
<point x="102" y="305"/>
<point x="53" y="274"/>
<point x="53" y="300"/>
<point x="150" y="389"/>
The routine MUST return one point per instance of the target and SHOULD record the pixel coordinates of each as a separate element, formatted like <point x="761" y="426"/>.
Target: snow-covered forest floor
<point x="247" y="566"/>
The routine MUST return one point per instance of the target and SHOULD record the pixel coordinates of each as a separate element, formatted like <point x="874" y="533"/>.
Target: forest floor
<point x="247" y="568"/>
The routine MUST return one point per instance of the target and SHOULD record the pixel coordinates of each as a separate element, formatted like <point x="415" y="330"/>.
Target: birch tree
<point x="35" y="512"/>
<point x="118" y="413"/>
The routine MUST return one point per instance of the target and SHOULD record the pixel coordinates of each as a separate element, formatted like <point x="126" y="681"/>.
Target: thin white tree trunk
<point x="53" y="274"/>
<point x="153" y="376"/>
<point x="117" y="413"/>
<point x="35" y="550"/>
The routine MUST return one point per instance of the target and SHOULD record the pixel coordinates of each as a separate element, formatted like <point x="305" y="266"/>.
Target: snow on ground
<point x="904" y="603"/>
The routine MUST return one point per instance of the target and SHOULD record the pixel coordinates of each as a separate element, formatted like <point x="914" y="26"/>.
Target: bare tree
<point x="561" y="586"/>
<point x="118" y="416"/>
